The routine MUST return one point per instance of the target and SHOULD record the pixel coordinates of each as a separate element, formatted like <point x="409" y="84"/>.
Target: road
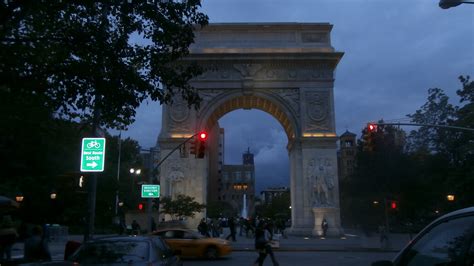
<point x="299" y="259"/>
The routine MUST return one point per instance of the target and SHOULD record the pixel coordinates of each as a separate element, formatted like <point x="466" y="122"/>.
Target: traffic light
<point x="192" y="149"/>
<point x="201" y="147"/>
<point x="369" y="135"/>
<point x="141" y="206"/>
<point x="393" y="205"/>
<point x="371" y="127"/>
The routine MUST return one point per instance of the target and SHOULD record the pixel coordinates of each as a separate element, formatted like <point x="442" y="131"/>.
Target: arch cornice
<point x="268" y="101"/>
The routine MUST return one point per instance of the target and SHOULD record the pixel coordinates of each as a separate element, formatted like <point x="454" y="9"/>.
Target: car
<point x="122" y="250"/>
<point x="449" y="240"/>
<point x="191" y="244"/>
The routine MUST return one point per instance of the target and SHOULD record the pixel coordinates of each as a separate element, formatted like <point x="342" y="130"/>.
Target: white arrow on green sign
<point x="93" y="155"/>
<point x="150" y="191"/>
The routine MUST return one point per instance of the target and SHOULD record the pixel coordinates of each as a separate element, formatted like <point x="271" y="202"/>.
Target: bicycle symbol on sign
<point x="93" y="144"/>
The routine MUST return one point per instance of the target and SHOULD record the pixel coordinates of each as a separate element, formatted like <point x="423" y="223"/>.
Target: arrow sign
<point x="150" y="191"/>
<point x="93" y="155"/>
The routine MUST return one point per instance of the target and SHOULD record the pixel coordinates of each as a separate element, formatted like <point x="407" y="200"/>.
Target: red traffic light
<point x="202" y="136"/>
<point x="140" y="206"/>
<point x="393" y="205"/>
<point x="372" y="127"/>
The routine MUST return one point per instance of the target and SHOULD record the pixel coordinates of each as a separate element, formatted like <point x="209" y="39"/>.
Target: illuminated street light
<point x="120" y="204"/>
<point x="376" y="202"/>
<point x="53" y="195"/>
<point x="19" y="198"/>
<point x="132" y="170"/>
<point x="450" y="197"/>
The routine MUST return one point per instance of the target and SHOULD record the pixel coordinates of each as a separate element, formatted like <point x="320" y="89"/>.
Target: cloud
<point x="394" y="51"/>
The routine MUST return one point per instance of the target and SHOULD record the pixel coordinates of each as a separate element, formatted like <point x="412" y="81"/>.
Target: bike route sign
<point x="93" y="155"/>
<point x="150" y="191"/>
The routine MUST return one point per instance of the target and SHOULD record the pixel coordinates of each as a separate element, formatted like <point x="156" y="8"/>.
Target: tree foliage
<point x="436" y="162"/>
<point x="98" y="59"/>
<point x="181" y="207"/>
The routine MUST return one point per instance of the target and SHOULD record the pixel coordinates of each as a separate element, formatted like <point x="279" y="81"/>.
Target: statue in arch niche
<point x="320" y="174"/>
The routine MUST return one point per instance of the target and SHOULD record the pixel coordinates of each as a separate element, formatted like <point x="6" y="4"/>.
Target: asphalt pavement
<point x="350" y="242"/>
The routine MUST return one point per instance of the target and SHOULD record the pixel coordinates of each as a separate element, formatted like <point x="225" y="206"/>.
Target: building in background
<point x="346" y="155"/>
<point x="216" y="161"/>
<point x="268" y="194"/>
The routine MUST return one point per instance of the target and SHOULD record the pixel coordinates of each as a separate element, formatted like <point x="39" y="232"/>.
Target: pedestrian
<point x="383" y="237"/>
<point x="36" y="247"/>
<point x="324" y="227"/>
<point x="241" y="225"/>
<point x="153" y="224"/>
<point x="203" y="227"/>
<point x="268" y="246"/>
<point x="8" y="237"/>
<point x="231" y="224"/>
<point x="135" y="228"/>
<point x="263" y="236"/>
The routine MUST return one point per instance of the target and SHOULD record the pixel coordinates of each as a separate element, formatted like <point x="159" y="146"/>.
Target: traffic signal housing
<point x="372" y="127"/>
<point x="369" y="135"/>
<point x="393" y="205"/>
<point x="201" y="147"/>
<point x="192" y="148"/>
<point x="141" y="206"/>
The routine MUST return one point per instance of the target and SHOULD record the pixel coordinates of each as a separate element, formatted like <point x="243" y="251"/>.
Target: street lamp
<point x="450" y="197"/>
<point x="375" y="202"/>
<point x="19" y="198"/>
<point x="445" y="4"/>
<point x="53" y="195"/>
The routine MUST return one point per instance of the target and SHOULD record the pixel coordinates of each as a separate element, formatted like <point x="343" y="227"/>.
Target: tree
<point x="181" y="207"/>
<point x="98" y="60"/>
<point x="436" y="111"/>
<point x="216" y="209"/>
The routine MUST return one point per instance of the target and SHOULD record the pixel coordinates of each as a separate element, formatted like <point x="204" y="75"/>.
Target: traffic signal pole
<point x="149" y="207"/>
<point x="422" y="125"/>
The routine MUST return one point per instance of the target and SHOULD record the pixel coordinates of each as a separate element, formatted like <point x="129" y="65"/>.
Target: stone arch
<point x="284" y="69"/>
<point x="266" y="102"/>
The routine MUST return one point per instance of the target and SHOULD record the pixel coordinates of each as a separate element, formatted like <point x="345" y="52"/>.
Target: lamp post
<point x="445" y="4"/>
<point x="450" y="197"/>
<point x="134" y="172"/>
<point x="53" y="195"/>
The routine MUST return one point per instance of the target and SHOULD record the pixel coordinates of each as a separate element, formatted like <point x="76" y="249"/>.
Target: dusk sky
<point x="394" y="51"/>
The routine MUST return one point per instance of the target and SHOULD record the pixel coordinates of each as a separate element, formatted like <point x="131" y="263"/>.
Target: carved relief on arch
<point x="317" y="111"/>
<point x="290" y="96"/>
<point x="179" y="115"/>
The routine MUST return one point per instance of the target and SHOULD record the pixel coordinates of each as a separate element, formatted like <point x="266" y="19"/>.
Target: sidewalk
<point x="351" y="242"/>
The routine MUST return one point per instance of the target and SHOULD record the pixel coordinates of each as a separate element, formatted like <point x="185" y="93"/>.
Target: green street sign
<point x="150" y="191"/>
<point x="93" y="155"/>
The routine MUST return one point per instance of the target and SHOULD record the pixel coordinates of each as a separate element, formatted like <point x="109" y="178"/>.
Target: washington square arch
<point x="284" y="69"/>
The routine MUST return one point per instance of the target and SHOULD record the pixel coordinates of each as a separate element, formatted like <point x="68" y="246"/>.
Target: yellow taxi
<point x="189" y="243"/>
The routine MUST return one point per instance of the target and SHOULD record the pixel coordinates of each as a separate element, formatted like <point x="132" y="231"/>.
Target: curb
<point x="372" y="250"/>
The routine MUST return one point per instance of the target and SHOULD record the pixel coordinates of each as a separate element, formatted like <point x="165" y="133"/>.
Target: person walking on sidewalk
<point x="262" y="244"/>
<point x="36" y="247"/>
<point x="8" y="237"/>
<point x="324" y="227"/>
<point x="232" y="229"/>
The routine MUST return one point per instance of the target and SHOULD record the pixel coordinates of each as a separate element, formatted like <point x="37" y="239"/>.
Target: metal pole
<point x="150" y="177"/>
<point x="118" y="173"/>
<point x="425" y="125"/>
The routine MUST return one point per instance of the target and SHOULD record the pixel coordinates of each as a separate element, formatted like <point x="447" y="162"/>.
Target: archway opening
<point x="251" y="158"/>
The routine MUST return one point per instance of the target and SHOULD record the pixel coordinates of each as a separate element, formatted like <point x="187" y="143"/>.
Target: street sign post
<point x="150" y="191"/>
<point x="93" y="155"/>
